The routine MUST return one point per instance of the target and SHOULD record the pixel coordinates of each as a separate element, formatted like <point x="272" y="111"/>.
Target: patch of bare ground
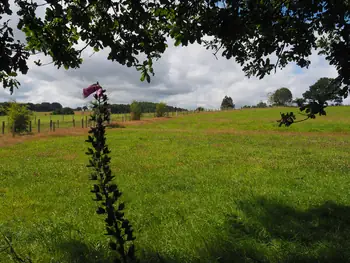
<point x="8" y="139"/>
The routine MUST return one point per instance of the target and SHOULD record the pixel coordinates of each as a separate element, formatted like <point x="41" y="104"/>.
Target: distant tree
<point x="299" y="101"/>
<point x="19" y="116"/>
<point x="322" y="91"/>
<point x="161" y="109"/>
<point x="63" y="111"/>
<point x="135" y="110"/>
<point x="281" y="97"/>
<point x="200" y="109"/>
<point x="79" y="109"/>
<point x="85" y="108"/>
<point x="227" y="103"/>
<point x="261" y="105"/>
<point x="56" y="106"/>
<point x="246" y="107"/>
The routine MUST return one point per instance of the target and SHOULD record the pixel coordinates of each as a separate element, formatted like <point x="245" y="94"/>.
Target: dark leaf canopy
<point x="135" y="32"/>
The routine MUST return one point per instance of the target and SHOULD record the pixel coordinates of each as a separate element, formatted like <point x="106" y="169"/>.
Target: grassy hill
<point x="207" y="187"/>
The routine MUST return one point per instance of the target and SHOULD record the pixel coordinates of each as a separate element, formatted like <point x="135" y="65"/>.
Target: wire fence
<point x="51" y="123"/>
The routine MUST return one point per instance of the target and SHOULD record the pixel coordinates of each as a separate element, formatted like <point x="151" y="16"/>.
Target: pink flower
<point x="91" y="89"/>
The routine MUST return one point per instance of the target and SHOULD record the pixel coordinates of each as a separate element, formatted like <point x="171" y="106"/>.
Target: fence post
<point x="3" y="128"/>
<point x="38" y="125"/>
<point x="50" y="124"/>
<point x="74" y="123"/>
<point x="13" y="129"/>
<point x="82" y="122"/>
<point x="30" y="126"/>
<point x="86" y="122"/>
<point x="53" y="126"/>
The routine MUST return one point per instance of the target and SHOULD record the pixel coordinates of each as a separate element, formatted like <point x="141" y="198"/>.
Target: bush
<point x="63" y="111"/>
<point x="135" y="110"/>
<point x="19" y="115"/>
<point x="161" y="109"/>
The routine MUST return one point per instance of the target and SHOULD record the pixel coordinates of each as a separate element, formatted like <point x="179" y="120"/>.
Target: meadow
<point x="204" y="187"/>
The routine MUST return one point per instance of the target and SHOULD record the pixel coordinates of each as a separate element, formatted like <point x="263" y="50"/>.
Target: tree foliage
<point x="261" y="104"/>
<point x="324" y="90"/>
<point x="19" y="116"/>
<point x="135" y="33"/>
<point x="247" y="31"/>
<point x="281" y="97"/>
<point x="135" y="109"/>
<point x="63" y="111"/>
<point x="145" y="107"/>
<point x="161" y="108"/>
<point x="227" y="103"/>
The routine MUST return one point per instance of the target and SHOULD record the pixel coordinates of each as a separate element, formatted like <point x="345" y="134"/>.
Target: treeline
<point x="145" y="107"/>
<point x="57" y="109"/>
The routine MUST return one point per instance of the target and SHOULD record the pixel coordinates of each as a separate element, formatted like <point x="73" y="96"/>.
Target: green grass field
<point x="207" y="187"/>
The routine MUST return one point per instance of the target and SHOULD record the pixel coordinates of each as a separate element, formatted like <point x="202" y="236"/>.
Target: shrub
<point x="161" y="109"/>
<point x="19" y="116"/>
<point x="63" y="111"/>
<point x="135" y="110"/>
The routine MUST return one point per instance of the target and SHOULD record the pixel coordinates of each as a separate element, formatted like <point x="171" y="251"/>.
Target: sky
<point x="186" y="77"/>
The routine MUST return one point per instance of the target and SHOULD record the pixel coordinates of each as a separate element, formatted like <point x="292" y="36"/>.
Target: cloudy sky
<point x="184" y="77"/>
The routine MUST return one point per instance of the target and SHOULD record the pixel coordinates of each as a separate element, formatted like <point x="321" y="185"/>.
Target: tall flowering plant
<point x="107" y="194"/>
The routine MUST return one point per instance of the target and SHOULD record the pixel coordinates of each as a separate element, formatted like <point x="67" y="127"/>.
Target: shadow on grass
<point x="77" y="252"/>
<point x="272" y="232"/>
<point x="267" y="231"/>
<point x="264" y="231"/>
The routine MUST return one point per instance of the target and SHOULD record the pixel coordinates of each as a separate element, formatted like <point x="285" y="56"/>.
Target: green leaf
<point x="143" y="76"/>
<point x="177" y="42"/>
<point x="13" y="74"/>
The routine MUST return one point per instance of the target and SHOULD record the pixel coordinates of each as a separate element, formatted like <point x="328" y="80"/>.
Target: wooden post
<point x="58" y="123"/>
<point x="53" y="126"/>
<point x="50" y="124"/>
<point x="38" y="125"/>
<point x="82" y="122"/>
<point x="30" y="126"/>
<point x="13" y="129"/>
<point x="74" y="123"/>
<point x="3" y="128"/>
<point x="86" y="122"/>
